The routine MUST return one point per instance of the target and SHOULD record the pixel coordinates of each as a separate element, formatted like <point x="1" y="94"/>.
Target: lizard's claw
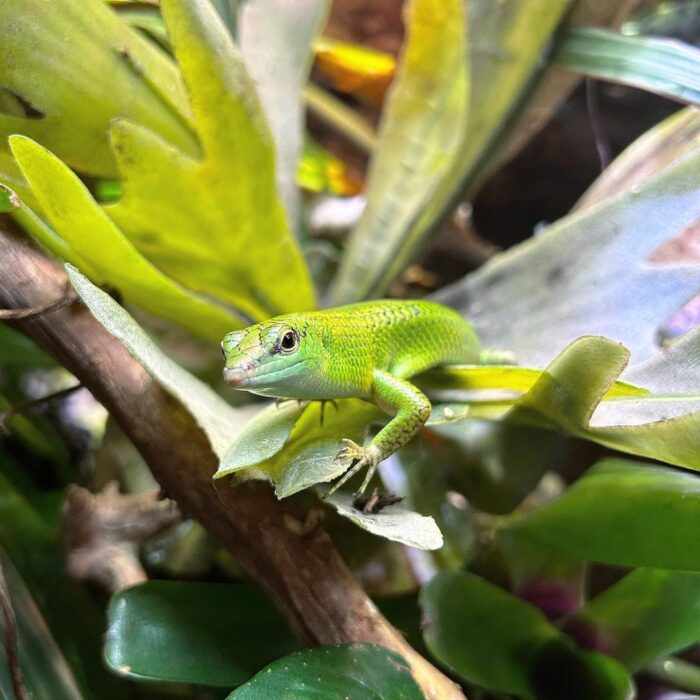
<point x="356" y="457"/>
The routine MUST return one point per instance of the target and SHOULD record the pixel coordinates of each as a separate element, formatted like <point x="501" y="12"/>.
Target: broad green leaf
<point x="219" y="420"/>
<point x="362" y="671"/>
<point x="275" y="38"/>
<point x="665" y="67"/>
<point x="199" y="633"/>
<point x="494" y="640"/>
<point x="621" y="512"/>
<point x="502" y="58"/>
<point x="420" y="135"/>
<point x="646" y="615"/>
<point x="79" y="67"/>
<point x="33" y="548"/>
<point x="109" y="256"/>
<point x="45" y="672"/>
<point x="589" y="274"/>
<point x="676" y="137"/>
<point x="217" y="225"/>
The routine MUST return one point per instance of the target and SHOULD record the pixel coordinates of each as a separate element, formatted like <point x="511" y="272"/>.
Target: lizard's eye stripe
<point x="289" y="341"/>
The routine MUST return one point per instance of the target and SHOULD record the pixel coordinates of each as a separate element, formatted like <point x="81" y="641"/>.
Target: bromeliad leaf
<point x="597" y="261"/>
<point x="419" y="137"/>
<point x="103" y="251"/>
<point x="228" y="235"/>
<point x="668" y="68"/>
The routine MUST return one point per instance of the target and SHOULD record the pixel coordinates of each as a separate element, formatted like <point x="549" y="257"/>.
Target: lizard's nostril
<point x="234" y="377"/>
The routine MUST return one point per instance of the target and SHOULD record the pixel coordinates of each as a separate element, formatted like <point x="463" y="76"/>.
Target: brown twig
<point x="303" y="574"/>
<point x="14" y="314"/>
<point x="11" y="640"/>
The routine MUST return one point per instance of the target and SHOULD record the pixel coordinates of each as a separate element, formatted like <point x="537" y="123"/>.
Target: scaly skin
<point x="366" y="351"/>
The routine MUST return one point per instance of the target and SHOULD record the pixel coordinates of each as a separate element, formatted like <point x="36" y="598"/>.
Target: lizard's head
<point x="267" y="358"/>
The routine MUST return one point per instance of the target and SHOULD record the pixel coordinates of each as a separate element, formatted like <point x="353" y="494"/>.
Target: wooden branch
<point x="301" y="571"/>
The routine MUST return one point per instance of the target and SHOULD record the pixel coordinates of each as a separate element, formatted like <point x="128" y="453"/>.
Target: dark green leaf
<point x="665" y="67"/>
<point x="357" y="671"/>
<point x="497" y="641"/>
<point x="650" y="613"/>
<point x="200" y="633"/>
<point x="621" y="512"/>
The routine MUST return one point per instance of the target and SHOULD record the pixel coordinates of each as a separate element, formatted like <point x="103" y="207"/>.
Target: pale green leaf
<point x="109" y="256"/>
<point x="665" y="67"/>
<point x="421" y="131"/>
<point x="79" y="67"/>
<point x="275" y="38"/>
<point x="219" y="420"/>
<point x="393" y="523"/>
<point x="217" y="226"/>
<point x="589" y="274"/>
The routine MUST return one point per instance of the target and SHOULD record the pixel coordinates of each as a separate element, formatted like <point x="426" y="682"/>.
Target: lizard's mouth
<point x="236" y="377"/>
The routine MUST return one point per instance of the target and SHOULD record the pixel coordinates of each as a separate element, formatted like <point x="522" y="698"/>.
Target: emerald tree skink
<point x="367" y="350"/>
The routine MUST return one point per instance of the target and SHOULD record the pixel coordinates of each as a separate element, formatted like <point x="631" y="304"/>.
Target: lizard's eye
<point x="289" y="341"/>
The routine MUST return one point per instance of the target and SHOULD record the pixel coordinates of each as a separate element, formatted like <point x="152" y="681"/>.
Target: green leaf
<point x="45" y="672"/>
<point x="648" y="614"/>
<point x="103" y="251"/>
<point x="199" y="633"/>
<point x="218" y="419"/>
<point x="421" y="132"/>
<point x="245" y="253"/>
<point x="494" y="640"/>
<point x="275" y="39"/>
<point x="98" y="71"/>
<point x="665" y="67"/>
<point x="589" y="274"/>
<point x="362" y="671"/>
<point x="596" y="520"/>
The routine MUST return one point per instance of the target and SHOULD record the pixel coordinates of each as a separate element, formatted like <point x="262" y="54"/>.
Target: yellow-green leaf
<point x="110" y="257"/>
<point x="217" y="226"/>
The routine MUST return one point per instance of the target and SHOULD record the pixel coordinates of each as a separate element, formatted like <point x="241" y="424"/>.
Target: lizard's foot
<point x="356" y="457"/>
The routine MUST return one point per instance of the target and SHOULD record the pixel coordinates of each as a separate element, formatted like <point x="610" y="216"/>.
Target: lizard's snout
<point x="235" y="377"/>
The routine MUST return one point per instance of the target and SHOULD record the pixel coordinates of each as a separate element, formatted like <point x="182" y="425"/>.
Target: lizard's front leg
<point x="410" y="409"/>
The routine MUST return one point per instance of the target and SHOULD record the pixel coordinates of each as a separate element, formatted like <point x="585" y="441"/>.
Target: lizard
<point x="368" y="350"/>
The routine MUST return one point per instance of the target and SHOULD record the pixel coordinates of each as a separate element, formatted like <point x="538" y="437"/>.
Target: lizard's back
<point x="397" y="336"/>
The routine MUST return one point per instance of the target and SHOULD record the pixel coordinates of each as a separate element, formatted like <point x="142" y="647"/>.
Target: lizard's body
<point x="366" y="350"/>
